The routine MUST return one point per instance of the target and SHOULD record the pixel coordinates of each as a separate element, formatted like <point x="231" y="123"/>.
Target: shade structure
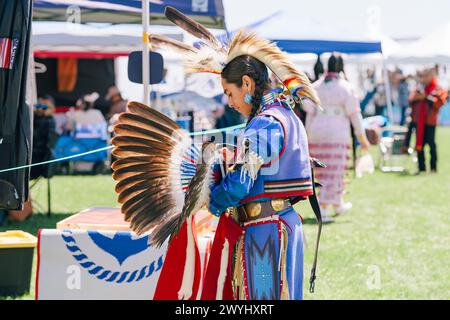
<point x="208" y="12"/>
<point x="59" y="39"/>
<point x="305" y="35"/>
<point x="433" y="47"/>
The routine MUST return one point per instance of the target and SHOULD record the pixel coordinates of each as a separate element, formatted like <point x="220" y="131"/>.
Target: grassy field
<point x="394" y="244"/>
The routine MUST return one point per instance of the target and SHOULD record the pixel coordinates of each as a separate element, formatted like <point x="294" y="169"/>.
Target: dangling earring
<point x="248" y="98"/>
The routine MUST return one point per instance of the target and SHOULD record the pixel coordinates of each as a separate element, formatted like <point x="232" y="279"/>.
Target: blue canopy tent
<point x="295" y="35"/>
<point x="209" y="12"/>
<point x="321" y="46"/>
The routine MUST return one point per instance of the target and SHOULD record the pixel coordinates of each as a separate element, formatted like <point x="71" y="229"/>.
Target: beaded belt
<point x="258" y="210"/>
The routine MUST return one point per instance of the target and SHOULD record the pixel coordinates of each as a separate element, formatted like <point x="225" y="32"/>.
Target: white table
<point x="94" y="255"/>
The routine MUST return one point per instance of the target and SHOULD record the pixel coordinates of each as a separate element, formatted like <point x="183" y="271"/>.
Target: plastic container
<point x="16" y="262"/>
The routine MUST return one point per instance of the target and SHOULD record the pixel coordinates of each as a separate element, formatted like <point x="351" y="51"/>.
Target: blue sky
<point x="395" y="18"/>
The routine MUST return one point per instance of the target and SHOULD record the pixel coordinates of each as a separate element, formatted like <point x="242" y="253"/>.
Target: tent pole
<point x="145" y="52"/>
<point x="387" y="85"/>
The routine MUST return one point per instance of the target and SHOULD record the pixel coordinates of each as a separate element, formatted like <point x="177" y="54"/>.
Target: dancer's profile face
<point x="236" y="94"/>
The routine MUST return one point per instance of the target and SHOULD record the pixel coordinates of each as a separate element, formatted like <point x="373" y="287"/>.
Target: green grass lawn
<point x="393" y="244"/>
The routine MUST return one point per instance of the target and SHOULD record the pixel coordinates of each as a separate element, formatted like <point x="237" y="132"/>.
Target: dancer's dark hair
<point x="255" y="69"/>
<point x="333" y="64"/>
<point x="318" y="68"/>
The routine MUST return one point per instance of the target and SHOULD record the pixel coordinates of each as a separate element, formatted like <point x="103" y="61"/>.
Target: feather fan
<point x="161" y="177"/>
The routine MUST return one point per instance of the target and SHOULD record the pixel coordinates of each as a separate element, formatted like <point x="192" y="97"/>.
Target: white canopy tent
<point x="307" y="35"/>
<point x="434" y="47"/>
<point x="209" y="12"/>
<point x="304" y="36"/>
<point x="61" y="39"/>
<point x="57" y="38"/>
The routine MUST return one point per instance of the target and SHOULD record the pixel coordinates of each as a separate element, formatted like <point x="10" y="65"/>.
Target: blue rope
<point x="198" y="133"/>
<point x="57" y="160"/>
<point x="213" y="131"/>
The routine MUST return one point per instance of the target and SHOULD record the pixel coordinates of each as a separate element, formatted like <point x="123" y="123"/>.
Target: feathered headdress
<point x="213" y="56"/>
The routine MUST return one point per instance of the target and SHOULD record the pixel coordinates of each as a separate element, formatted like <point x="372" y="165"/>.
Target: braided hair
<point x="255" y="69"/>
<point x="318" y="68"/>
<point x="334" y="64"/>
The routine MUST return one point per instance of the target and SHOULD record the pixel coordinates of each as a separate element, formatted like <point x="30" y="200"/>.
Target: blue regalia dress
<point x="261" y="256"/>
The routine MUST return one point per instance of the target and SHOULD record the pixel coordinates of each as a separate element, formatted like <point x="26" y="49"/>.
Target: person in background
<point x="118" y="104"/>
<point x="369" y="87"/>
<point x="340" y="66"/>
<point x="329" y="135"/>
<point x="85" y="121"/>
<point x="403" y="96"/>
<point x="230" y="117"/>
<point x="425" y="102"/>
<point x="44" y="139"/>
<point x="380" y="99"/>
<point x="341" y="71"/>
<point x="416" y="80"/>
<point x="44" y="136"/>
<point x="318" y="68"/>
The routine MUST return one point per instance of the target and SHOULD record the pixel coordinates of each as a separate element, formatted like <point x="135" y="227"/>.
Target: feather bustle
<point x="134" y="190"/>
<point x="155" y="173"/>
<point x="145" y="222"/>
<point x="122" y="129"/>
<point x="129" y="204"/>
<point x="131" y="151"/>
<point x="150" y="113"/>
<point x="131" y="181"/>
<point x="150" y="125"/>
<point x="120" y="163"/>
<point x="124" y="141"/>
<point x="150" y="148"/>
<point x="150" y="212"/>
<point x="162" y="232"/>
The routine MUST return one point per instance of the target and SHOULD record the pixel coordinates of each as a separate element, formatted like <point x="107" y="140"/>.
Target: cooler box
<point x="16" y="262"/>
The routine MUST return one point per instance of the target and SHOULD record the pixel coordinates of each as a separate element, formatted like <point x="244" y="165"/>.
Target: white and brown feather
<point x="198" y="192"/>
<point x="163" y="42"/>
<point x="248" y="43"/>
<point x="150" y="148"/>
<point x="144" y="143"/>
<point x="192" y="27"/>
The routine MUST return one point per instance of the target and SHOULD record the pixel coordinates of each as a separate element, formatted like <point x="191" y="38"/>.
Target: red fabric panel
<point x="169" y="282"/>
<point x="230" y="230"/>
